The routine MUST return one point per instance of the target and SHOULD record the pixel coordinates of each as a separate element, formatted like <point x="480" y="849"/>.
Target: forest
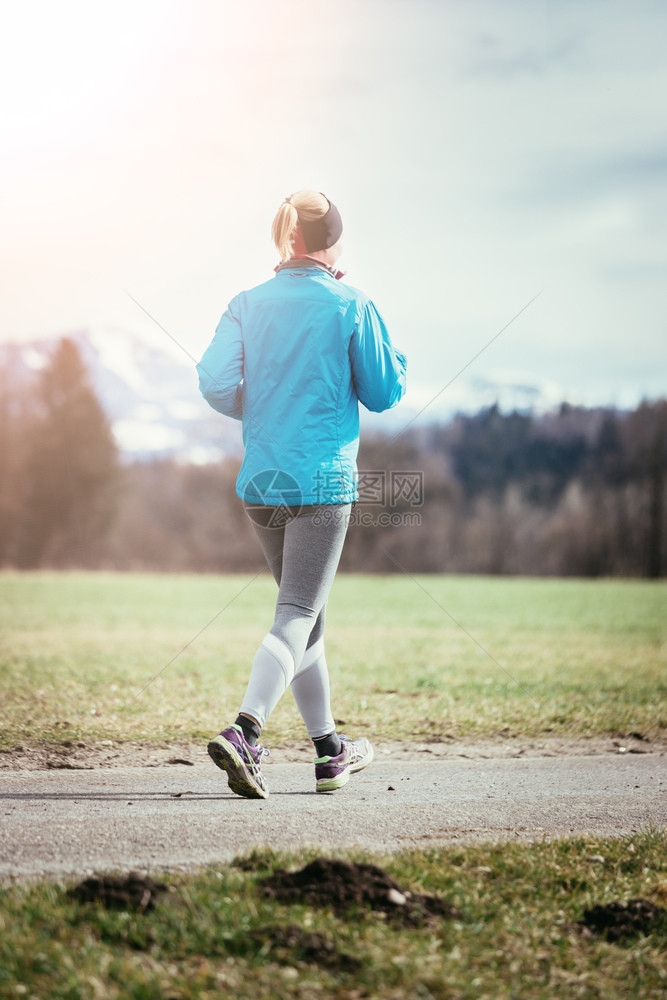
<point x="573" y="492"/>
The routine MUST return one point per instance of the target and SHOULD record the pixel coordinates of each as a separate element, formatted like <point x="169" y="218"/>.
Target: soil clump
<point x="619" y="922"/>
<point x="288" y="943"/>
<point x="119" y="892"/>
<point x="342" y="885"/>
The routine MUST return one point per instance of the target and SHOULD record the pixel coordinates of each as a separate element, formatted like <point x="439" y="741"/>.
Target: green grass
<point x="517" y="936"/>
<point x="432" y="657"/>
<point x="164" y="657"/>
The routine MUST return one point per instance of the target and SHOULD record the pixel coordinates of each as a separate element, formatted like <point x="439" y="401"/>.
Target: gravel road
<point x="75" y="822"/>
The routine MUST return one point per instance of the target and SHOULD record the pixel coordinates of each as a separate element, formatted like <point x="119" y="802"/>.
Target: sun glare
<point x="66" y="67"/>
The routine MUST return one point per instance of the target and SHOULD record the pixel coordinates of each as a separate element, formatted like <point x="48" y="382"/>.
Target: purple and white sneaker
<point x="243" y="763"/>
<point x="334" y="772"/>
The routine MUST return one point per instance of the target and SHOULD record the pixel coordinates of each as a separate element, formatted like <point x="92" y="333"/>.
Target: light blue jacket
<point x="292" y="358"/>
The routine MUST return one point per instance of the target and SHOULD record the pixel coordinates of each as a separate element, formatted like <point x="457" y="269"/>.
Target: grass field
<point x="152" y="657"/>
<point x="517" y="934"/>
<point x="100" y="657"/>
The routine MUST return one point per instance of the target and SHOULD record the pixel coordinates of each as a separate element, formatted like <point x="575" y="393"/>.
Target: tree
<point x="646" y="445"/>
<point x="9" y="467"/>
<point x="69" y="474"/>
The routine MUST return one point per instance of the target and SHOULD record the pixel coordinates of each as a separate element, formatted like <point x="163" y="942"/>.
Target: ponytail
<point x="284" y="228"/>
<point x="305" y="204"/>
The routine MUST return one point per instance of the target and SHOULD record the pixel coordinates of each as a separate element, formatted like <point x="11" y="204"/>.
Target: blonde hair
<point x="308" y="205"/>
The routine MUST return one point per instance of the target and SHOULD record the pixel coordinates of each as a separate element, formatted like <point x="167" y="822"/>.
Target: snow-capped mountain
<point x="149" y="394"/>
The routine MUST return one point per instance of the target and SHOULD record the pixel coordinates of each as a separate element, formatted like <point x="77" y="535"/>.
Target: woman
<point x="292" y="358"/>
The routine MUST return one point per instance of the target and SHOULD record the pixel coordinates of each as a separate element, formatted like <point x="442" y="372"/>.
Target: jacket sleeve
<point x="221" y="368"/>
<point x="378" y="369"/>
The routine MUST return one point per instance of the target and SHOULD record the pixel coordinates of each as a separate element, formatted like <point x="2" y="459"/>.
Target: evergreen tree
<point x="70" y="470"/>
<point x="9" y="468"/>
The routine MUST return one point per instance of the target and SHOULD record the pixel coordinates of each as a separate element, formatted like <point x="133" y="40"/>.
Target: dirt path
<point x="74" y="817"/>
<point x="112" y="754"/>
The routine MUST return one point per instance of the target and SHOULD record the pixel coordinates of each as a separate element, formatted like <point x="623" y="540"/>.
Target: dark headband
<point x="322" y="233"/>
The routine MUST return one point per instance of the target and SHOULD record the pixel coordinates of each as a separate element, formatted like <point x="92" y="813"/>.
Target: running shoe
<point x="334" y="772"/>
<point x="243" y="763"/>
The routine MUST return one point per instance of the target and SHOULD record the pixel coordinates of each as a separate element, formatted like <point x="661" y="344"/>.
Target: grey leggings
<point x="302" y="549"/>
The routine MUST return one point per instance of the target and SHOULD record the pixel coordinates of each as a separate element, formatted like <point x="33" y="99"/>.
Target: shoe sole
<point x="331" y="784"/>
<point x="225" y="756"/>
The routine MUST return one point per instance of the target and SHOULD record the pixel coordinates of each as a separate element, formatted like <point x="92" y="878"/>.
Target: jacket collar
<point x="305" y="260"/>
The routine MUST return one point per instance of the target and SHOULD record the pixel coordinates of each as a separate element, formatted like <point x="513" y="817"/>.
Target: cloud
<point x="478" y="150"/>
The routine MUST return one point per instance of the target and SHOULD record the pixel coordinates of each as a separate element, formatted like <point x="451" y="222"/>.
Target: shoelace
<point x="350" y="743"/>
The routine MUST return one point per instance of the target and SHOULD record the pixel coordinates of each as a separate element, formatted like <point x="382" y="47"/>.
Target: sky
<point x="500" y="167"/>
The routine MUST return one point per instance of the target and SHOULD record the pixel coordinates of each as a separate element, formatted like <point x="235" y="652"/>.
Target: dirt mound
<point x="621" y="921"/>
<point x="342" y="885"/>
<point x="288" y="943"/>
<point x="119" y="892"/>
